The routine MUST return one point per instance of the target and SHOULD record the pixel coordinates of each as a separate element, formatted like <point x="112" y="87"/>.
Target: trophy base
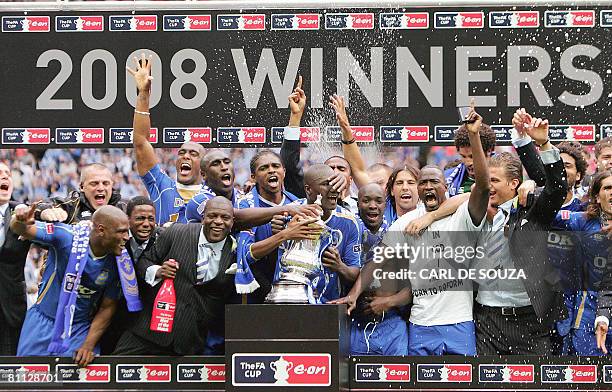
<point x="288" y="292"/>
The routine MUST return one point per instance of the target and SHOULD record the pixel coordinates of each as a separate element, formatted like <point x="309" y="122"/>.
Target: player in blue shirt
<point x="170" y="196"/>
<point x="268" y="173"/>
<point x="99" y="282"/>
<point x="377" y="327"/>
<point x="592" y="255"/>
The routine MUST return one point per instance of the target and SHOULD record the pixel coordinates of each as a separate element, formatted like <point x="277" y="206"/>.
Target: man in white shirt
<point x="441" y="317"/>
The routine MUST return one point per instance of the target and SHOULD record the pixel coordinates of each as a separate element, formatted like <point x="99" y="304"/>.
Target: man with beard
<point x="377" y="327"/>
<point x="268" y="174"/>
<point x="460" y="178"/>
<point x="81" y="274"/>
<point x="340" y="261"/>
<point x="441" y="321"/>
<point x="96" y="191"/>
<point x="168" y="195"/>
<point x="197" y="257"/>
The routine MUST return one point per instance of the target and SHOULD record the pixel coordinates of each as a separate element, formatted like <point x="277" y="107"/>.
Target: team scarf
<point x="454" y="179"/>
<point x="244" y="280"/>
<point x="77" y="261"/>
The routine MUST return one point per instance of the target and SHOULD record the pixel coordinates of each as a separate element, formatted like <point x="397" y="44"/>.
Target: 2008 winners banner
<point x="222" y="77"/>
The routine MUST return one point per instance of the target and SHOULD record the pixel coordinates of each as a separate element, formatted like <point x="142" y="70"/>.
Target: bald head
<point x="193" y="146"/>
<point x="371" y="190"/>
<point x="219" y="202"/>
<point x="108" y="215"/>
<point x="110" y="231"/>
<point x="316" y="173"/>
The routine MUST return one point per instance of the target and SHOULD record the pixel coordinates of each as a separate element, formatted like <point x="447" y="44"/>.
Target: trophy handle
<point x="290" y="366"/>
<point x="273" y="366"/>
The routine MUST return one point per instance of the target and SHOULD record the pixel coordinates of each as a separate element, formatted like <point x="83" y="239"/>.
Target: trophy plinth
<point x="288" y="292"/>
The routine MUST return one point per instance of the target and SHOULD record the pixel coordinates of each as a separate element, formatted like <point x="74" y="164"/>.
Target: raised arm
<point x="349" y="148"/>
<point x="551" y="199"/>
<point x="525" y="148"/>
<point x="290" y="149"/>
<point x="143" y="150"/>
<point x="479" y="197"/>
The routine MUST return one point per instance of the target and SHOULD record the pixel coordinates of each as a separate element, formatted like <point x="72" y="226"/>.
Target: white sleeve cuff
<point x="291" y="133"/>
<point x="601" y="319"/>
<point x="150" y="275"/>
<point x="550" y="156"/>
<point x="519" y="141"/>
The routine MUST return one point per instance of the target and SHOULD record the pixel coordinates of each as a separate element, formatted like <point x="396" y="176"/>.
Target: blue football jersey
<point x="100" y="277"/>
<point x="168" y="196"/>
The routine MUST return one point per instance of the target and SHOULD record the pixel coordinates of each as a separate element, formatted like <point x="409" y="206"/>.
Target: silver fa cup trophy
<point x="299" y="265"/>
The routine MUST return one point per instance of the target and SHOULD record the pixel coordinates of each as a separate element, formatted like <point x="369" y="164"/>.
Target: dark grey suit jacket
<point x="527" y="232"/>
<point x="12" y="280"/>
<point x="199" y="308"/>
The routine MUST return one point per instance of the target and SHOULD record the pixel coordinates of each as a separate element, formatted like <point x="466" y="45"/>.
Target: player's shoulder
<point x="401" y="222"/>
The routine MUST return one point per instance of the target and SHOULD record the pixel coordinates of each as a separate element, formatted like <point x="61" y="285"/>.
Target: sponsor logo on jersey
<point x="187" y="22"/>
<point x="133" y="23"/>
<point x="79" y="23"/>
<point x="26" y="24"/>
<point x="281" y="369"/>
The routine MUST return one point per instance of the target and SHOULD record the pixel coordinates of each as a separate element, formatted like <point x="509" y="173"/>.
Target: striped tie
<point x="497" y="239"/>
<point x="202" y="264"/>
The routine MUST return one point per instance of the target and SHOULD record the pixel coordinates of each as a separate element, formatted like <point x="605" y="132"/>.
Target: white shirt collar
<point x="215" y="246"/>
<point x="3" y="208"/>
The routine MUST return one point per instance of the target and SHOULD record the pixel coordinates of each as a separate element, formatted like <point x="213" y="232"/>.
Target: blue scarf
<point x="454" y="179"/>
<point x="64" y="316"/>
<point x="244" y="280"/>
<point x="62" y="328"/>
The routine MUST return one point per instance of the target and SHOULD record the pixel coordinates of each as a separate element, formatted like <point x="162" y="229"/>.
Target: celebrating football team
<point x="538" y="280"/>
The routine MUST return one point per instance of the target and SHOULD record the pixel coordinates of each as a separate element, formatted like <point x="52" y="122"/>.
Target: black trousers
<point x="519" y="334"/>
<point x="9" y="337"/>
<point x="132" y="344"/>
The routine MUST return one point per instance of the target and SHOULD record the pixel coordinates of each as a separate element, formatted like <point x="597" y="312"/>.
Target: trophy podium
<point x="286" y="347"/>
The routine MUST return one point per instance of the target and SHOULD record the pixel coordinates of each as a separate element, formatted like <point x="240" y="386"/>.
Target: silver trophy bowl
<point x="299" y="265"/>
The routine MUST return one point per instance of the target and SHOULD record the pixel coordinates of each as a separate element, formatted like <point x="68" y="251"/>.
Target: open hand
<point x="142" y="73"/>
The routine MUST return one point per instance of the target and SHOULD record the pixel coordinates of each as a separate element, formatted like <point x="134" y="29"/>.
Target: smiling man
<point x="47" y="330"/>
<point x="196" y="256"/>
<point x="96" y="191"/>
